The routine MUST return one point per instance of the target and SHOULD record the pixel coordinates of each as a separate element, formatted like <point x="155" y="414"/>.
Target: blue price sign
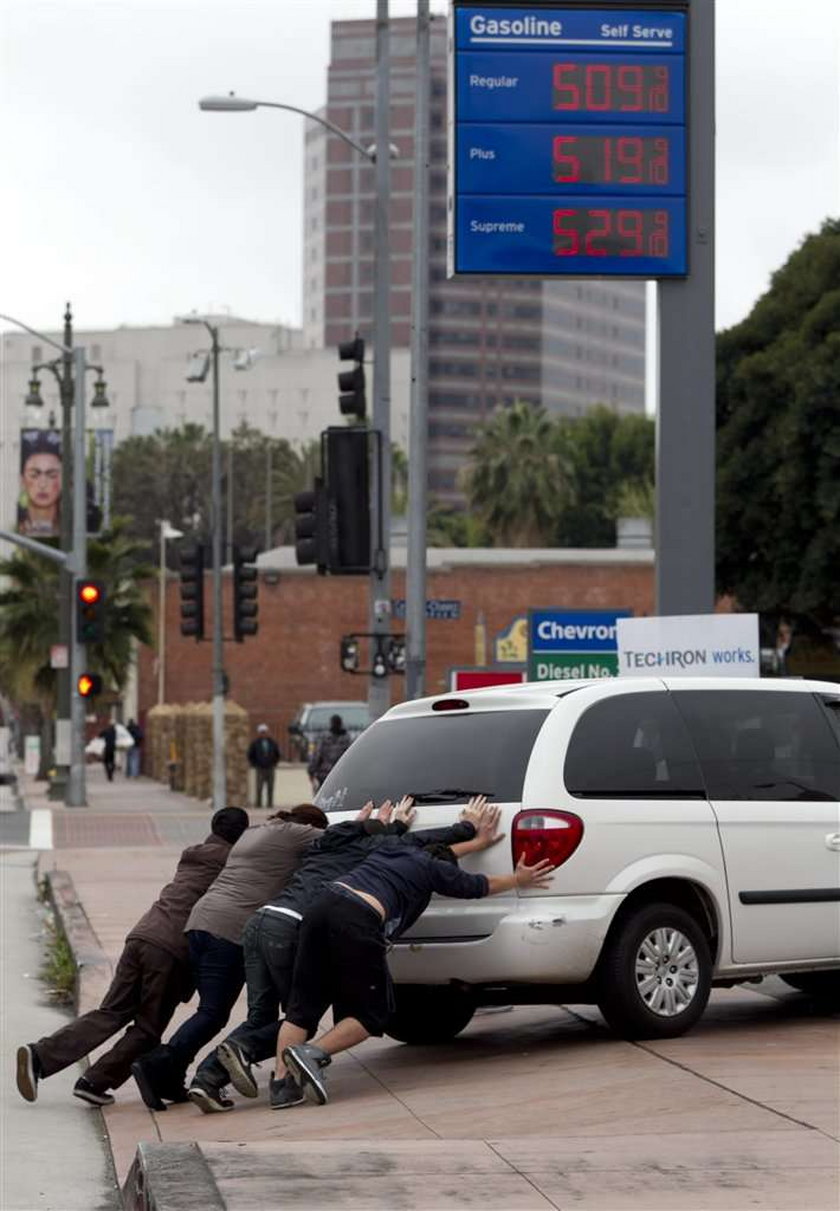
<point x="569" y="142"/>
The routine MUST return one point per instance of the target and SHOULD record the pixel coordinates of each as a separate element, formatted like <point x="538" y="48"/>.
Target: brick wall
<point x="302" y="616"/>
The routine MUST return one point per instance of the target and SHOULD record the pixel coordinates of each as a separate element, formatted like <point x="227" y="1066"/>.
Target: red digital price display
<point x="591" y="88"/>
<point x="598" y="232"/>
<point x="611" y="159"/>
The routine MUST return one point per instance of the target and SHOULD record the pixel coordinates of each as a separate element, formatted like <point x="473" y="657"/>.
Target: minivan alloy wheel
<point x="666" y="972"/>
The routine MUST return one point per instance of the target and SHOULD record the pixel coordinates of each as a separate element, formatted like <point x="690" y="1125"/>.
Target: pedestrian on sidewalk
<point x="260" y="866"/>
<point x="263" y="756"/>
<point x="270" y="937"/>
<point x="341" y="958"/>
<point x="108" y="736"/>
<point x="152" y="976"/>
<point x="134" y="756"/>
<point x="330" y="747"/>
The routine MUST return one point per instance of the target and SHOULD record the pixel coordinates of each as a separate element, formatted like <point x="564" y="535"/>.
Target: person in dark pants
<point x="270" y="938"/>
<point x="134" y="756"/>
<point x="109" y="753"/>
<point x="152" y="976"/>
<point x="263" y="756"/>
<point x="261" y="864"/>
<point x="341" y="958"/>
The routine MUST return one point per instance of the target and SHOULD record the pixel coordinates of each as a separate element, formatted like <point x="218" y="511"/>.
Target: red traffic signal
<point x="89" y="685"/>
<point x="89" y="592"/>
<point x="90" y="611"/>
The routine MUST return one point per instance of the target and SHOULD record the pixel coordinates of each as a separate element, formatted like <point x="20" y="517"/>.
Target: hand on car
<point x="386" y="807"/>
<point x="366" y="811"/>
<point x="471" y="814"/>
<point x="487" y="827"/>
<point x="538" y="875"/>
<point x="404" y="811"/>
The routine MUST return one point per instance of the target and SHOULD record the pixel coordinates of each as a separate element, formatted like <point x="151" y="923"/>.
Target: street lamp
<point x="380" y="479"/>
<point x="166" y="532"/>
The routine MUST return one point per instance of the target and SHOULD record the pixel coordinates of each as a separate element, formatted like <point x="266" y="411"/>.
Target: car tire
<point x="429" y="1014"/>
<point x="822" y="985"/>
<point x="655" y="973"/>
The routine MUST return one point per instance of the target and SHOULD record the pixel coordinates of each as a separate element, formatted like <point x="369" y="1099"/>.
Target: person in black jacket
<point x="263" y="756"/>
<point x="341" y="955"/>
<point x="109" y="753"/>
<point x="270" y="937"/>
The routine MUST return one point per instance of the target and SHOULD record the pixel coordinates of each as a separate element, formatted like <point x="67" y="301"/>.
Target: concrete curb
<point x="171" y="1177"/>
<point x="93" y="968"/>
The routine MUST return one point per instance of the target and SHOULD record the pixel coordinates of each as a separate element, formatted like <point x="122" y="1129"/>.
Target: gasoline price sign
<point x="569" y="142"/>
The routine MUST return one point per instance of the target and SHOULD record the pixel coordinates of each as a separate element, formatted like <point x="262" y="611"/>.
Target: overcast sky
<point x="119" y="194"/>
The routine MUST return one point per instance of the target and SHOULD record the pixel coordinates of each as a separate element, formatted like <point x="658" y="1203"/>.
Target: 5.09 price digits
<point x="600" y="232"/>
<point x="616" y="87"/>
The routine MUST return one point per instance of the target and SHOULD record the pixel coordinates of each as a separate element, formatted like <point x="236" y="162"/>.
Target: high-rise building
<point x="565" y="345"/>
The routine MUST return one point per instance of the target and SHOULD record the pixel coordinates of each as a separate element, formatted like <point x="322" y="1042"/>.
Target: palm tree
<point x="515" y="482"/>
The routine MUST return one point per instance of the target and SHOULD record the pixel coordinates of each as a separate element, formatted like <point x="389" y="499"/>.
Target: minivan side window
<point x="761" y="745"/>
<point x="632" y="746"/>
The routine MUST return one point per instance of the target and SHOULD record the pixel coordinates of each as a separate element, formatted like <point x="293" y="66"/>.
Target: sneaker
<point x="28" y="1072"/>
<point x="238" y="1067"/>
<point x="208" y="1099"/>
<point x="140" y="1070"/>
<point x="305" y="1062"/>
<point x="90" y="1094"/>
<point x="285" y="1092"/>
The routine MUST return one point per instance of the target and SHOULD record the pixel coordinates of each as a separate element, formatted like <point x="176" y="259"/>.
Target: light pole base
<point x="58" y="784"/>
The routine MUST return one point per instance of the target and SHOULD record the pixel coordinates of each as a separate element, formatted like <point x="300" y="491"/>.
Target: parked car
<point x="693" y="823"/>
<point x="313" y="719"/>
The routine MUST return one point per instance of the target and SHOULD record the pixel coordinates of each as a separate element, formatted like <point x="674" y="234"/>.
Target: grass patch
<point x="59" y="969"/>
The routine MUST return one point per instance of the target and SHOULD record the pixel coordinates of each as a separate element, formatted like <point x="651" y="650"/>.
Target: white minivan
<point x="694" y="825"/>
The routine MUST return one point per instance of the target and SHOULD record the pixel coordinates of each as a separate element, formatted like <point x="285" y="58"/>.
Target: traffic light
<point x="90" y="611"/>
<point x="351" y="383"/>
<point x="89" y="685"/>
<point x="192" y="591"/>
<point x="245" y="588"/>
<point x="396" y="654"/>
<point x="347" y="464"/>
<point x="312" y="527"/>
<point x="349" y="654"/>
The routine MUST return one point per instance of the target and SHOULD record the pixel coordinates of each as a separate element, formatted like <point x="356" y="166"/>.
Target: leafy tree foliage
<point x="778" y="444"/>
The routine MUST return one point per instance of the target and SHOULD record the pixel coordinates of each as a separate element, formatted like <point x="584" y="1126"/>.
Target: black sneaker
<point x="285" y="1092"/>
<point x="209" y="1100"/>
<point x="90" y="1094"/>
<point x="238" y="1067"/>
<point x="142" y="1074"/>
<point x="28" y="1072"/>
<point x="305" y="1062"/>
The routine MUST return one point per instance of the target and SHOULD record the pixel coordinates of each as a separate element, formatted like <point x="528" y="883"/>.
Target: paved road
<point x="53" y="1154"/>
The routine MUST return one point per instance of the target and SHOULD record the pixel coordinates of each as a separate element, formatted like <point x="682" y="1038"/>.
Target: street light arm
<point x="37" y="548"/>
<point x="10" y="319"/>
<point x="218" y="103"/>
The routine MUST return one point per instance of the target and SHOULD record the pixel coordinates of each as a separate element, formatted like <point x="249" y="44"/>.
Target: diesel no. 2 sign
<point x="568" y="152"/>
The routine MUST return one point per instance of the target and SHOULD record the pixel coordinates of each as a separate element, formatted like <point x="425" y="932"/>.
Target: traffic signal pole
<point x="76" y="795"/>
<point x="219" y="780"/>
<point x="379" y="688"/>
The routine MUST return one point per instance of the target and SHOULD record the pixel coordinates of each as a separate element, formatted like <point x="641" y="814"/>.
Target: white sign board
<point x="31" y="754"/>
<point x="59" y="656"/>
<point x="688" y="645"/>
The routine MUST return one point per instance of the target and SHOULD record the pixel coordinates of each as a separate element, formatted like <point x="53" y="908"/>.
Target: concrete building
<point x="282" y="389"/>
<point x="566" y="345"/>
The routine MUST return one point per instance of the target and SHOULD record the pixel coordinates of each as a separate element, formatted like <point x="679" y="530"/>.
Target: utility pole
<point x="76" y="784"/>
<point x="415" y="590"/>
<point x="379" y="688"/>
<point x="59" y="784"/>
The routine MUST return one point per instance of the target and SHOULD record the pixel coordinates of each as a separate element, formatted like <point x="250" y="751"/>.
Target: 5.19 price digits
<point x="617" y="87"/>
<point x="600" y="232"/>
<point x="611" y="159"/>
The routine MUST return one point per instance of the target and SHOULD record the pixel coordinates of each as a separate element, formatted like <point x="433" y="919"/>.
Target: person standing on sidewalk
<point x="152" y="977"/>
<point x="260" y="866"/>
<point x="263" y="756"/>
<point x="134" y="756"/>
<point x="330" y="747"/>
<point x="341" y="958"/>
<point x="108" y="736"/>
<point x="270" y="937"/>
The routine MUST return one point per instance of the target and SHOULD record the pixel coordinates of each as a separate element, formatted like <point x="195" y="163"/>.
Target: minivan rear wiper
<point x="447" y="794"/>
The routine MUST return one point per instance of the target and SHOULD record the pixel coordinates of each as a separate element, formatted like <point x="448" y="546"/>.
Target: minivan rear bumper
<point x="543" y="940"/>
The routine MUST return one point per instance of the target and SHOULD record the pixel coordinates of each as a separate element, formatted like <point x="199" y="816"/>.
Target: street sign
<point x="573" y="644"/>
<point x="446" y="609"/>
<point x="59" y="656"/>
<point x="569" y="141"/>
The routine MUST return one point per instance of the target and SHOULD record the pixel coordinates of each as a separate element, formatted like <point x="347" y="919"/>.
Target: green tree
<point x="778" y="440"/>
<point x="516" y="480"/>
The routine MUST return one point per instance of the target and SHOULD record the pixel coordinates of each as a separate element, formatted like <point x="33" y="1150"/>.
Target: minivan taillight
<point x="545" y="834"/>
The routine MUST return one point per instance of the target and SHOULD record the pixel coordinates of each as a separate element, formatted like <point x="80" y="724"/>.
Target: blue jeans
<point x="132" y="762"/>
<point x="219" y="973"/>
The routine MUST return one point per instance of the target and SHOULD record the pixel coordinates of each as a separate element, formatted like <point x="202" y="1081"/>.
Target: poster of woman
<point x="39" y="502"/>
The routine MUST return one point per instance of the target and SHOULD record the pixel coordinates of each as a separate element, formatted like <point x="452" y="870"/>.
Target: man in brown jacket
<point x="259" y="867"/>
<point x="152" y="976"/>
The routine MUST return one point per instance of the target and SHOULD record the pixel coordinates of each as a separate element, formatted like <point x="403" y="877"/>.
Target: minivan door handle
<point x="832" y="840"/>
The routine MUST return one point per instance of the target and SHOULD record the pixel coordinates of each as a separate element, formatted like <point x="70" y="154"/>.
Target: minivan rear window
<point x="438" y="758"/>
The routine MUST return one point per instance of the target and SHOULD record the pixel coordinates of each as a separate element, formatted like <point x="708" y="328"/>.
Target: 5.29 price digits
<point x="611" y="159"/>
<point x="600" y="232"/>
<point x="617" y="87"/>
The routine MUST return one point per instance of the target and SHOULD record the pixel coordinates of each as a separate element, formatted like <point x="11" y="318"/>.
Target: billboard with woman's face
<point x="39" y="501"/>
